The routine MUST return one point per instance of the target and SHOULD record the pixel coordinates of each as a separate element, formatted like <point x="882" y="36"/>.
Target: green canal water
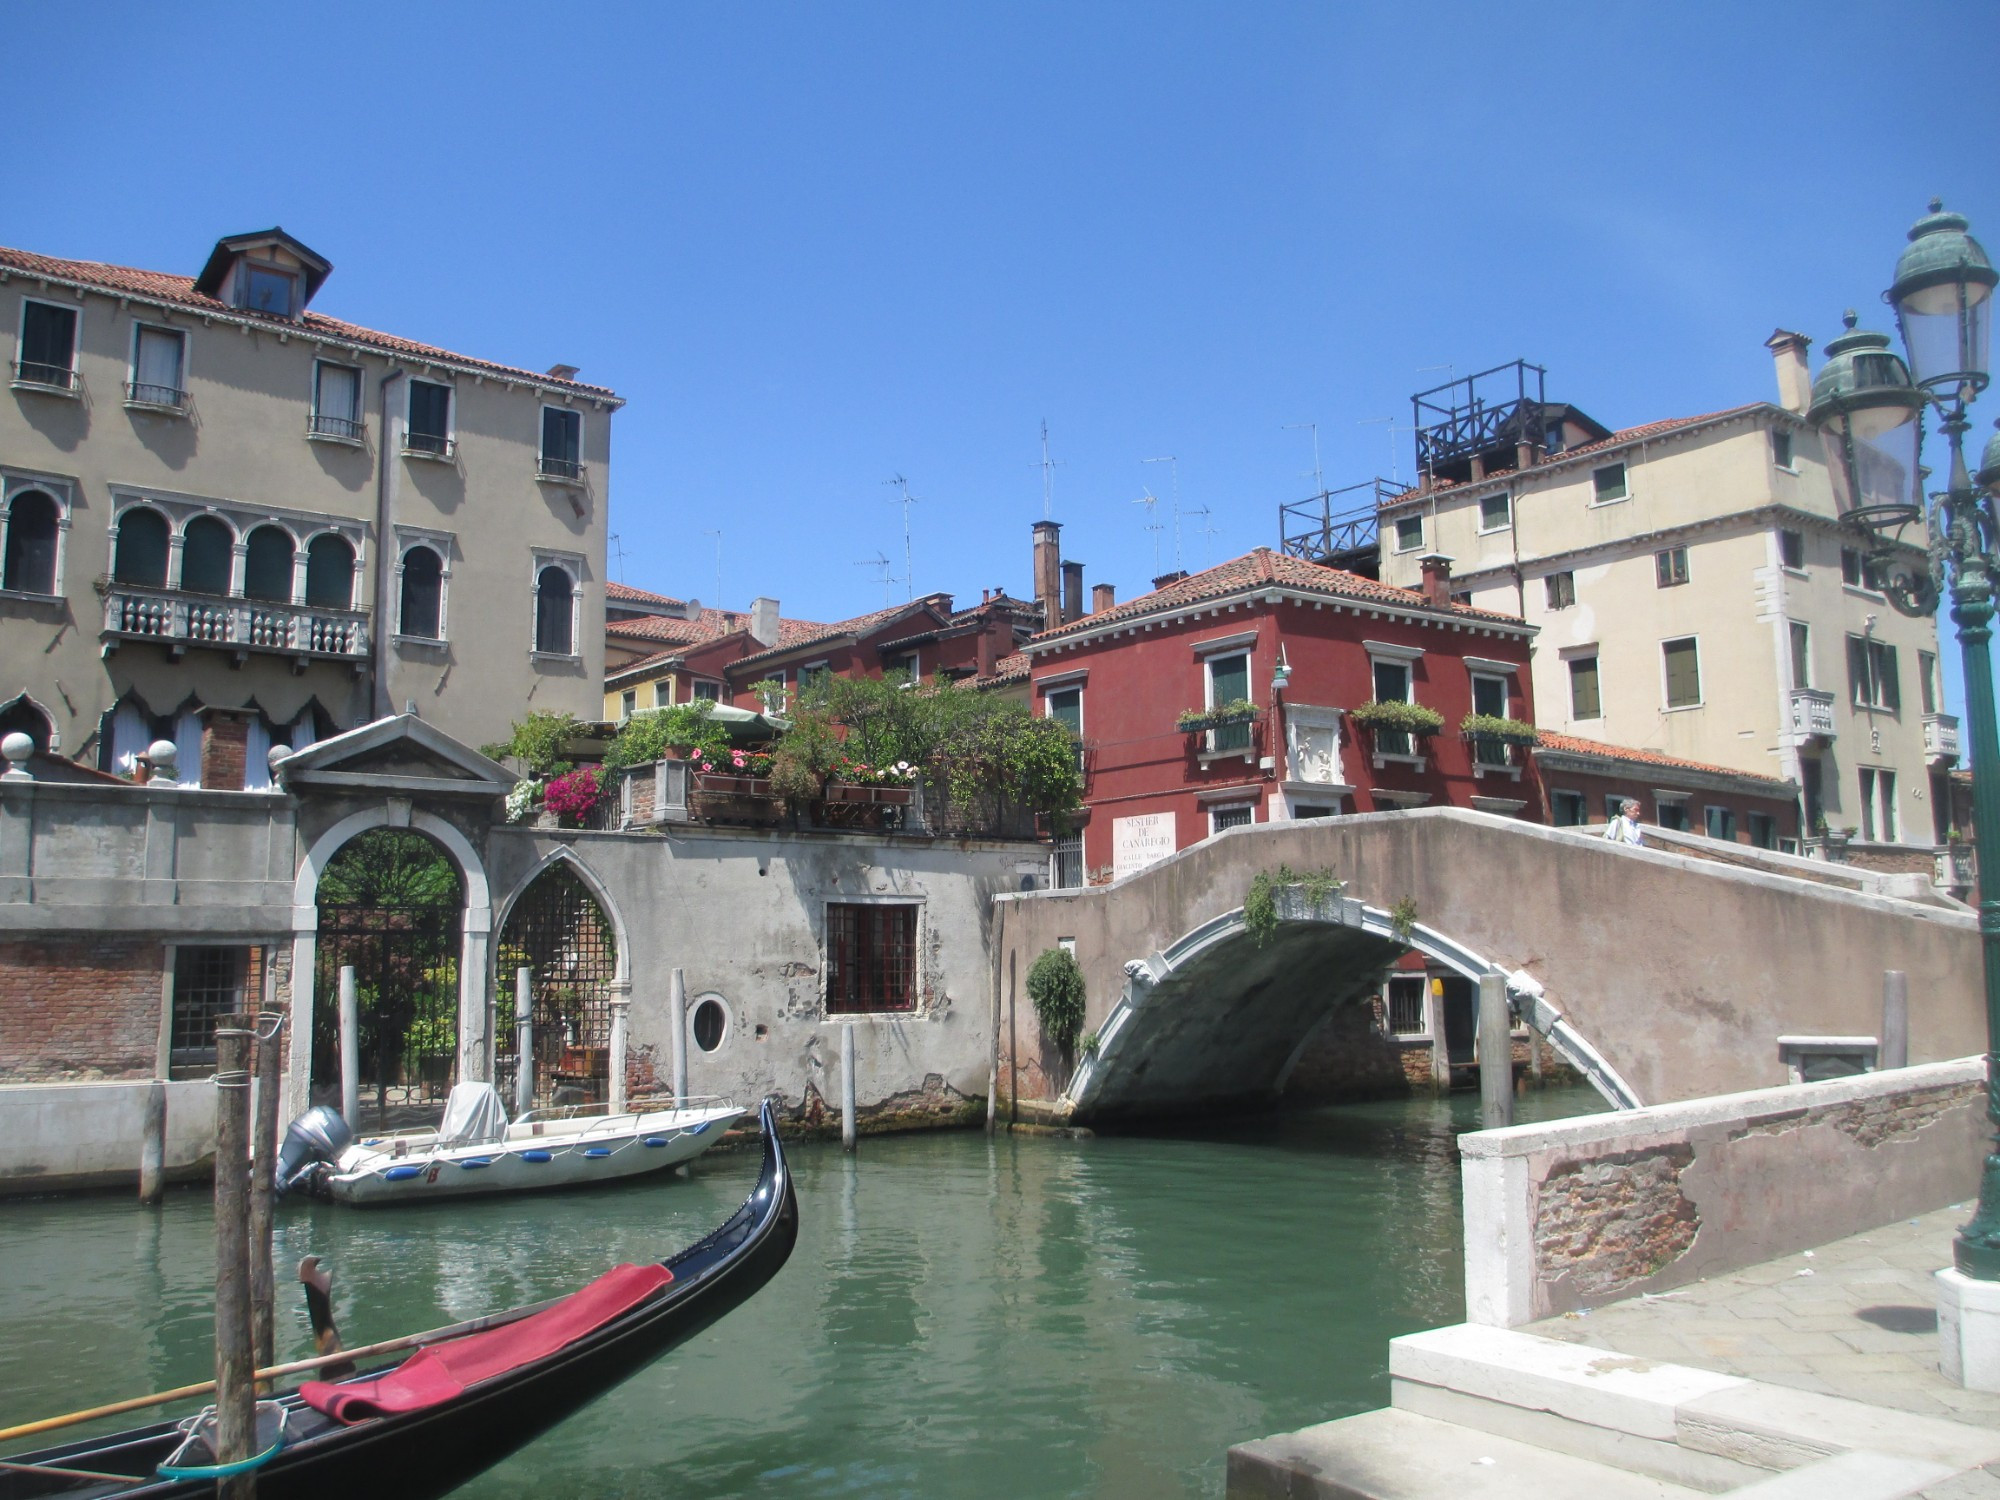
<point x="1014" y="1318"/>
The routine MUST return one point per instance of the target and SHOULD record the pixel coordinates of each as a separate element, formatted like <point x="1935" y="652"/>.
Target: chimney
<point x="1102" y="597"/>
<point x="1072" y="591"/>
<point x="1437" y="578"/>
<point x="1166" y="578"/>
<point x="562" y="372"/>
<point x="1048" y="572"/>
<point x="1788" y="349"/>
<point x="224" y="749"/>
<point x="764" y="622"/>
<point x="987" y="651"/>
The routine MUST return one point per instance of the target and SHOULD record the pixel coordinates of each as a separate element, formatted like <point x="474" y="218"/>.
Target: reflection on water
<point x="1023" y="1317"/>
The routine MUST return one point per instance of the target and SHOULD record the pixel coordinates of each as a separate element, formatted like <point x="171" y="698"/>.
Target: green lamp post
<point x="1869" y="407"/>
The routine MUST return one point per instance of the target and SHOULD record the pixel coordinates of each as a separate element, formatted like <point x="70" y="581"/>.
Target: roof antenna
<point x="1048" y="466"/>
<point x="906" y="500"/>
<point x="1176" y="463"/>
<point x="1389" y="430"/>
<point x="1319" y="482"/>
<point x="619" y="548"/>
<point x="1209" y="532"/>
<point x="718" y="566"/>
<point x="1150" y="500"/>
<point x="886" y="577"/>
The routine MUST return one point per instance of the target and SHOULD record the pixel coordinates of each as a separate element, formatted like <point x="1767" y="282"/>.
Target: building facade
<point x="232" y="522"/>
<point x="1699" y="599"/>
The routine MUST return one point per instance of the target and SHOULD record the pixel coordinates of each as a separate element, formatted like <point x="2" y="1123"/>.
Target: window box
<point x="1222" y="716"/>
<point x="1492" y="729"/>
<point x="1401" y="718"/>
<point x="55" y="380"/>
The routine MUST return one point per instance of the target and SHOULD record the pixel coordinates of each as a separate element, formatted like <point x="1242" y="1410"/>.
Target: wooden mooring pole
<point x="350" y="1050"/>
<point x="847" y="1126"/>
<point x="677" y="1018"/>
<point x="1496" y="1053"/>
<point x="524" y="1040"/>
<point x="263" y="1178"/>
<point x="235" y="1368"/>
<point x="153" y="1144"/>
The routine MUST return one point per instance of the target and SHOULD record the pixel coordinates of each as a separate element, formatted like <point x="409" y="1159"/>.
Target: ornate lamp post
<point x="1870" y="409"/>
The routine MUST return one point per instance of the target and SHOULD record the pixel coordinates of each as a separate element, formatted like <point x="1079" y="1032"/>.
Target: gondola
<point x="434" y="1449"/>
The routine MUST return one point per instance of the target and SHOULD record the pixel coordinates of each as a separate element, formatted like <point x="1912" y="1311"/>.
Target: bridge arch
<point x="1223" y="1015"/>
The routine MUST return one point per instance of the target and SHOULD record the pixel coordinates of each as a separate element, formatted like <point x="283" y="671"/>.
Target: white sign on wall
<point x="1138" y="841"/>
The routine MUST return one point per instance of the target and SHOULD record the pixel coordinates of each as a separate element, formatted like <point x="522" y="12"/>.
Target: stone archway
<point x="562" y="927"/>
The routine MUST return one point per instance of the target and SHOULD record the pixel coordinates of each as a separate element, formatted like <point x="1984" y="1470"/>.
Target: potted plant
<point x="1493" y="729"/>
<point x="1221" y="716"/>
<point x="571" y="797"/>
<point x="1394" y="714"/>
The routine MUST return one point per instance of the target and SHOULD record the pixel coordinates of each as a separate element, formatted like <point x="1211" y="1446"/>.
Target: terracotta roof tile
<point x="1015" y="668"/>
<point x="807" y="632"/>
<point x="710" y="623"/>
<point x="625" y="593"/>
<point x="1569" y="744"/>
<point x="180" y="291"/>
<point x="1264" y="568"/>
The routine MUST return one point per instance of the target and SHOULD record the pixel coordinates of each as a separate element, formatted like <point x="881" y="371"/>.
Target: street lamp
<point x="1869" y="408"/>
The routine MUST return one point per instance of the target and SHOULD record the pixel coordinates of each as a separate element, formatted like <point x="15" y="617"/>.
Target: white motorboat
<point x="476" y="1150"/>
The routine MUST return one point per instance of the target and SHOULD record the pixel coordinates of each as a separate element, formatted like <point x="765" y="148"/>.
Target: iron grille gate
<point x="558" y="930"/>
<point x="405" y="962"/>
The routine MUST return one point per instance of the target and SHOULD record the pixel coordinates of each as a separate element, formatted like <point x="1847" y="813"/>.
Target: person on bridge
<point x="1624" y="829"/>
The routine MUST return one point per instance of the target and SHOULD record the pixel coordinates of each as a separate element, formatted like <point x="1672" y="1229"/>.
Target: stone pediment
<point x="401" y="754"/>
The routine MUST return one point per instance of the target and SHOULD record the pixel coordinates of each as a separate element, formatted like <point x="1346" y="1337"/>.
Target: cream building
<point x="234" y="522"/>
<point x="1698" y="597"/>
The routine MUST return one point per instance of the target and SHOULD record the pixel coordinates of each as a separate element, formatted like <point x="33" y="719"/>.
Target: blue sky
<point x="819" y="246"/>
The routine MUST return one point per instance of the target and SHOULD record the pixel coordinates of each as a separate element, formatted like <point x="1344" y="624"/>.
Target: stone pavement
<point x="1856" y="1319"/>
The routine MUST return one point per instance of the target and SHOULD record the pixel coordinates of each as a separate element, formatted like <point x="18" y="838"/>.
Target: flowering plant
<point x="734" y="763"/>
<point x="523" y="797"/>
<point x="573" y="795"/>
<point x="861" y="773"/>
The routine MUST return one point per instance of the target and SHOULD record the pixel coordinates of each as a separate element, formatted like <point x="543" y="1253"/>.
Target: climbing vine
<point x="1055" y="984"/>
<point x="1260" y="906"/>
<point x="1403" y="918"/>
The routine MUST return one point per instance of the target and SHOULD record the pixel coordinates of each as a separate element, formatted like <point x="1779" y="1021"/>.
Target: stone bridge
<point x="1662" y="976"/>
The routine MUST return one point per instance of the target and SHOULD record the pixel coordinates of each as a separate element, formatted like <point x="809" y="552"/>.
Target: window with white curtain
<point x="159" y="357"/>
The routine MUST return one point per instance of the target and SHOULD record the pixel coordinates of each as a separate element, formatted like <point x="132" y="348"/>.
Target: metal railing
<point x="565" y="470"/>
<point x="168" y="397"/>
<point x="1336" y="523"/>
<point x="161" y="614"/>
<point x="347" y="429"/>
<point x="430" y="445"/>
<point x="53" y="377"/>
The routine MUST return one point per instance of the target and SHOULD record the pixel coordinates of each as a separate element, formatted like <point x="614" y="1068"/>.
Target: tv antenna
<point x="1209" y="532"/>
<point x="1319" y="481"/>
<point x="905" y="499"/>
<point x="1175" y="463"/>
<point x="1048" y="466"/>
<point x="618" y="549"/>
<point x="1151" y="501"/>
<point x="718" y="566"/>
<point x="1389" y="430"/>
<point x="886" y="578"/>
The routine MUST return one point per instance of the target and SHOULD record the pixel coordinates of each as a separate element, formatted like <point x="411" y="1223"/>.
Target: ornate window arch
<point x="34" y="527"/>
<point x="556" y="604"/>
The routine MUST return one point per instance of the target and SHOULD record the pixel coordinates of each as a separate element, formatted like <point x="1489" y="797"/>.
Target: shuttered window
<point x="1683" y="673"/>
<point x="871" y="958"/>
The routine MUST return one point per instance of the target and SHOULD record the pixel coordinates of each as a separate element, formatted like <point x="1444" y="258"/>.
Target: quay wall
<point x="1587" y="1211"/>
<point x="63" y="1137"/>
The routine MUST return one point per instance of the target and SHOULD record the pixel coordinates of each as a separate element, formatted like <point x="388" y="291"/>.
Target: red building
<point x="1304" y="645"/>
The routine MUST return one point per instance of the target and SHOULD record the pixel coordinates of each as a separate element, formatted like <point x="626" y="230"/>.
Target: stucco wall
<point x="1594" y="1210"/>
<point x="67" y="1136"/>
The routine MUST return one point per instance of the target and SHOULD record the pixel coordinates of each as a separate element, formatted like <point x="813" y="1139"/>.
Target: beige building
<point x="1697" y="597"/>
<point x="233" y="522"/>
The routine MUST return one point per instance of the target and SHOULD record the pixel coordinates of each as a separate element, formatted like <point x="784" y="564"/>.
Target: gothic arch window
<point x="267" y="565"/>
<point x="330" y="572"/>
<point x="34" y="530"/>
<point x="422" y="612"/>
<point x="141" y="555"/>
<point x="555" y="610"/>
<point x="208" y="549"/>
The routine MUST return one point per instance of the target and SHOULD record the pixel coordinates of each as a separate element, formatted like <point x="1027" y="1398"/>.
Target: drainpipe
<point x="385" y="572"/>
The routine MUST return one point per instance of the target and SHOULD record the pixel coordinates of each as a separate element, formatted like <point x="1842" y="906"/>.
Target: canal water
<point x="1024" y="1317"/>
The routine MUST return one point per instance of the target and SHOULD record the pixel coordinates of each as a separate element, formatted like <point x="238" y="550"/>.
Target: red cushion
<point x="440" y="1372"/>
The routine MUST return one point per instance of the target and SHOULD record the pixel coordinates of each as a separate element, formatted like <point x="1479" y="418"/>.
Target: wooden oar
<point x="296" y="1367"/>
<point x="318" y="1282"/>
<point x="57" y="1469"/>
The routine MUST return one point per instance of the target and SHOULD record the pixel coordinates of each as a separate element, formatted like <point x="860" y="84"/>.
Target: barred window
<point x="209" y="983"/>
<point x="871" y="958"/>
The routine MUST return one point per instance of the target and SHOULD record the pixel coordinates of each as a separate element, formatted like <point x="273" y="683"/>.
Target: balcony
<point x="139" y="396"/>
<point x="431" y="445"/>
<point x="1940" y="739"/>
<point x="334" y="429"/>
<point x="236" y="625"/>
<point x="59" y="380"/>
<point x="1812" y="713"/>
<point x="559" y="470"/>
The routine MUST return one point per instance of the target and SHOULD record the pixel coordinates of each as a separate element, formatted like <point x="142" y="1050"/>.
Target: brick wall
<point x="224" y="747"/>
<point x="80" y="1008"/>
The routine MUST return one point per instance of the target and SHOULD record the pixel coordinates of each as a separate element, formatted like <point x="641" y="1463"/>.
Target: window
<point x="34" y="522"/>
<point x="1671" y="812"/>
<point x="1683" y="664"/>
<point x="555" y="612"/>
<point x="904" y="662"/>
<point x="1392" y="685"/>
<point x="430" y="420"/>
<point x="814" y="677"/>
<point x="628" y="704"/>
<point x="1229" y="682"/>
<point x="267" y="565"/>
<point x="1560" y="590"/>
<point x="330" y="572"/>
<point x="1489" y="696"/>
<point x="774" y="695"/>
<point x="1792" y="550"/>
<point x="871" y="954"/>
<point x="1670" y="567"/>
<point x="1496" y="512"/>
<point x="1614" y="803"/>
<point x="48" y="346"/>
<point x="1781" y="449"/>
<point x="1236" y="815"/>
<point x="1067" y="860"/>
<point x="1854" y="569"/>
<point x="336" y="402"/>
<point x="1409" y="533"/>
<point x="1927" y="680"/>
<point x="158" y="358"/>
<point x="266" y="289"/>
<point x="709" y="691"/>
<point x="1801" y="638"/>
<point x="1763" y="830"/>
<point x="1567" y="809"/>
<point x="562" y="443"/>
<point x="709" y="1023"/>
<point x="208" y="550"/>
<point x="1878" y="805"/>
<point x="209" y="983"/>
<point x="140" y="556"/>
<point x="1871" y="674"/>
<point x="1584" y="699"/>
<point x="1065" y="706"/>
<point x="422" y="612"/>
<point x="1719" y="823"/>
<point x="1406" y="1005"/>
<point x="1608" y="484"/>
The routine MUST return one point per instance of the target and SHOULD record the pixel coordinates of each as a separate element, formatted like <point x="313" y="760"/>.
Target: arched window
<point x="423" y="594"/>
<point x="32" y="523"/>
<point x="23" y="716"/>
<point x="554" y="609"/>
<point x="330" y="573"/>
<point x="141" y="558"/>
<point x="267" y="565"/>
<point x="206" y="546"/>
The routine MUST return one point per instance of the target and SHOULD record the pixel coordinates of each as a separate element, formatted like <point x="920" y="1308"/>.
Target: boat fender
<point x="402" y="1174"/>
<point x="537" y="1157"/>
<point x="654" y="1140"/>
<point x="596" y="1151"/>
<point x="698" y="1129"/>
<point x="318" y="1135"/>
<point x="474" y="1163"/>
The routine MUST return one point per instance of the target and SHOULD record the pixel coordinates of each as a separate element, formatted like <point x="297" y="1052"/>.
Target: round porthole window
<point x="709" y="1022"/>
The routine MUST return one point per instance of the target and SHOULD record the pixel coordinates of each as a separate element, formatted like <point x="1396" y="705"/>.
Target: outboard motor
<point x="317" y="1136"/>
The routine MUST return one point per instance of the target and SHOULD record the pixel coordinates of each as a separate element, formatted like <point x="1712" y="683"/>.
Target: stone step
<point x="1399" y="1455"/>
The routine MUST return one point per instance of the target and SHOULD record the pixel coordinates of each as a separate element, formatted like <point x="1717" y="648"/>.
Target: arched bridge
<point x="1661" y="976"/>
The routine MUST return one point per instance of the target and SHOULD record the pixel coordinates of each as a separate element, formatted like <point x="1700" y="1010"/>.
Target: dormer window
<point x="267" y="289"/>
<point x="265" y="272"/>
